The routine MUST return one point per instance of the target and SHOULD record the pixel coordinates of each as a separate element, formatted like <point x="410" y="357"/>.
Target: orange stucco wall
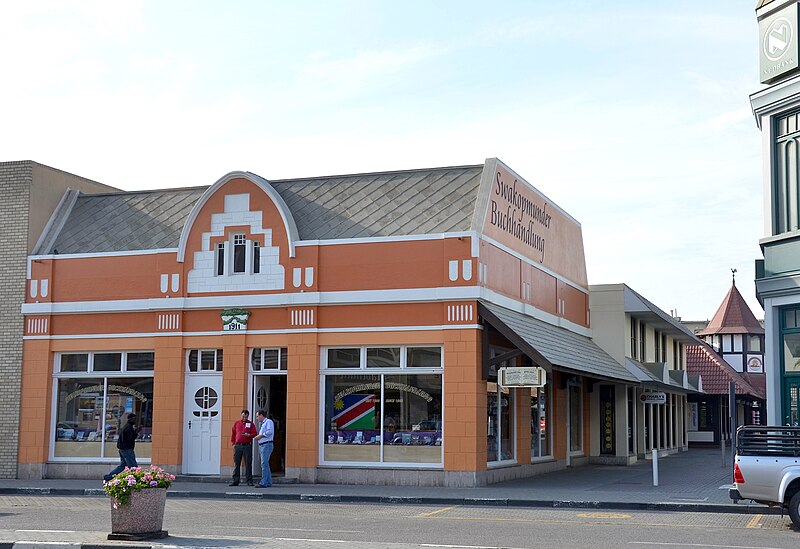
<point x="465" y="402"/>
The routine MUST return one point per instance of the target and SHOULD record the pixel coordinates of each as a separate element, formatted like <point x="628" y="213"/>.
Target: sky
<point x="633" y="116"/>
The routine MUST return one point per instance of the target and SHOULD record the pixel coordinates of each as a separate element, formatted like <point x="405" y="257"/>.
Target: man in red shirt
<point x="242" y="435"/>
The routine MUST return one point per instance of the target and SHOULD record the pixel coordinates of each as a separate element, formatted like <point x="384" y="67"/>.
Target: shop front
<point x="372" y="334"/>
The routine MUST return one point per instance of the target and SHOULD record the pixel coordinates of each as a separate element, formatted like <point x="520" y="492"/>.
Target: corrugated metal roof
<point x="561" y="347"/>
<point x="424" y="201"/>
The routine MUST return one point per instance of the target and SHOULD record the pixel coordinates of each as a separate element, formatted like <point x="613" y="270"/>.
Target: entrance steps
<point x="220" y="479"/>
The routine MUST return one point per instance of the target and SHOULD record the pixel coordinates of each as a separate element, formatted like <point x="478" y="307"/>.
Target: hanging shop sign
<point x="522" y="376"/>
<point x="778" y="43"/>
<point x="653" y="398"/>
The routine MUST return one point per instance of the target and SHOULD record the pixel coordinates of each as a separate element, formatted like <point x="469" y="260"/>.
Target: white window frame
<point x="58" y="375"/>
<point x="227" y="250"/>
<point x="378" y="372"/>
<point x="263" y="370"/>
<point x="200" y="352"/>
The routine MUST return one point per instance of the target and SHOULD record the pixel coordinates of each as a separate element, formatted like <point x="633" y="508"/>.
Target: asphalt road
<point x="312" y="525"/>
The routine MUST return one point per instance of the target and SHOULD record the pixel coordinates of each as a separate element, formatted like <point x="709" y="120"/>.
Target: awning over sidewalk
<point x="554" y="347"/>
<point x="657" y="375"/>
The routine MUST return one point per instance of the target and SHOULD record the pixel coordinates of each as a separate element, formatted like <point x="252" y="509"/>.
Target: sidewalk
<point x="689" y="481"/>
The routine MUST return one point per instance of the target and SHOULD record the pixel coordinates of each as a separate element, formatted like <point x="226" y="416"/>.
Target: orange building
<point x="372" y="314"/>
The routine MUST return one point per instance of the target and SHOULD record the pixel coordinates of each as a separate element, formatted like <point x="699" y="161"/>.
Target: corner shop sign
<point x="522" y="376"/>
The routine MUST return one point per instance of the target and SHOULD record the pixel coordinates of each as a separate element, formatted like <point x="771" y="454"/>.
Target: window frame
<point x="102" y="377"/>
<point x="381" y="373"/>
<point x="218" y="361"/>
<point x="90" y="371"/>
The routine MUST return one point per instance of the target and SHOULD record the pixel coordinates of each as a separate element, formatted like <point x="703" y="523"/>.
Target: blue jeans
<point x="127" y="458"/>
<point x="264" y="451"/>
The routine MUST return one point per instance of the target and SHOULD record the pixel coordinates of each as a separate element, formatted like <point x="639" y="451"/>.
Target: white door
<point x="202" y="424"/>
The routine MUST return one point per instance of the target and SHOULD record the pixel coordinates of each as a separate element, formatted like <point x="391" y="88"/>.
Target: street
<point x="258" y="523"/>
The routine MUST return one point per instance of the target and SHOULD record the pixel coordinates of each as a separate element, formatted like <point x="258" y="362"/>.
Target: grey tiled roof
<point x="424" y="201"/>
<point x="563" y="348"/>
<point x="114" y="222"/>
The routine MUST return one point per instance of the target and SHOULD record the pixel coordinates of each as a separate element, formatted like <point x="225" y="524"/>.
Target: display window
<point x="575" y="418"/>
<point x="500" y="423"/>
<point x="386" y="415"/>
<point x="540" y="422"/>
<point x="91" y="407"/>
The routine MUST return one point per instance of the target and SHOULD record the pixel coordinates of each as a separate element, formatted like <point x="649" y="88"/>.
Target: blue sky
<point x="633" y="116"/>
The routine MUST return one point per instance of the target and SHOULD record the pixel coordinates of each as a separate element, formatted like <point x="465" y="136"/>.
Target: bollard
<point x="722" y="445"/>
<point x="655" y="467"/>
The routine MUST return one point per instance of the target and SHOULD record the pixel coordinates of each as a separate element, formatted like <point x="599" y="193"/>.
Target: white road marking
<point x="700" y="545"/>
<point x="295" y="529"/>
<point x="48" y="531"/>
<point x="320" y="540"/>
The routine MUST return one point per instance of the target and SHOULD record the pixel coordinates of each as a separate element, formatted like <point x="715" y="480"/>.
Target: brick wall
<point x="15" y="184"/>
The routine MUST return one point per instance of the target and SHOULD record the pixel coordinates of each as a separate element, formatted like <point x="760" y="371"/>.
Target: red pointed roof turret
<point x="733" y="317"/>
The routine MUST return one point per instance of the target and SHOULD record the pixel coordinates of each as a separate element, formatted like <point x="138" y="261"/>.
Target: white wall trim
<point x="267" y="332"/>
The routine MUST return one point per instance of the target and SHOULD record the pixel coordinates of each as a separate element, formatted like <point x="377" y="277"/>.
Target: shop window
<point x="130" y="361"/>
<point x="540" y="421"/>
<point x="268" y="359"/>
<point x="74" y="363"/>
<point x="344" y="358"/>
<point x="388" y="357"/>
<point x="392" y="417"/>
<point x="108" y="362"/>
<point x="91" y="408"/>
<point x="138" y="362"/>
<point x="424" y="357"/>
<point x="499" y="429"/>
<point x="575" y="417"/>
<point x="205" y="360"/>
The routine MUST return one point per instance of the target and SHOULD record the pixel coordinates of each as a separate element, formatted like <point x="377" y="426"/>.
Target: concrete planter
<point x="141" y="517"/>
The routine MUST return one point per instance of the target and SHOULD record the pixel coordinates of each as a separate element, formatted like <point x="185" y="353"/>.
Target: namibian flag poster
<point x="355" y="412"/>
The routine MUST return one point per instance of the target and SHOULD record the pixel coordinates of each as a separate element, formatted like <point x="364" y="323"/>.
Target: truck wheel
<point x="794" y="509"/>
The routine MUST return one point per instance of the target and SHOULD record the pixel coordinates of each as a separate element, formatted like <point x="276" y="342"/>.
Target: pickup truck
<point x="767" y="467"/>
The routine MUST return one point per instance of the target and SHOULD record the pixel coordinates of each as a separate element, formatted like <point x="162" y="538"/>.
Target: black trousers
<point x="240" y="451"/>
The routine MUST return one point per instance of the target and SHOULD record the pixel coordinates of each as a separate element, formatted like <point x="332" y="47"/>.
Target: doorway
<point x="269" y="393"/>
<point x="202" y="427"/>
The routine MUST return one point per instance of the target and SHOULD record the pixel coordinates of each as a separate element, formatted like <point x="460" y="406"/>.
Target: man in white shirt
<point x="264" y="438"/>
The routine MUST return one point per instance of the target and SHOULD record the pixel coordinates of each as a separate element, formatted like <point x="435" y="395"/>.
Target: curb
<point x="68" y="545"/>
<point x="412" y="500"/>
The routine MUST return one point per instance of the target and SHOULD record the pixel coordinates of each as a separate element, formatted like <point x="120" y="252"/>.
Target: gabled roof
<point x="733" y="317"/>
<point x="409" y="202"/>
<point x="716" y="373"/>
<point x="637" y="306"/>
